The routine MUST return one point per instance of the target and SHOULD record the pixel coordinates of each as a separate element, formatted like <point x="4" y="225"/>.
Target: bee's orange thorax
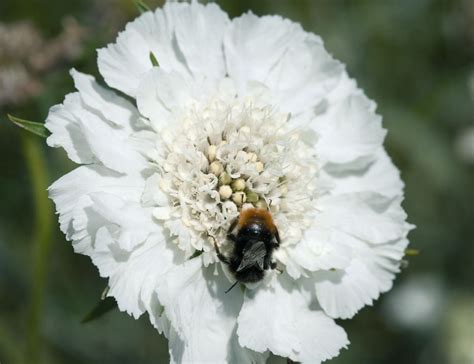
<point x="252" y="215"/>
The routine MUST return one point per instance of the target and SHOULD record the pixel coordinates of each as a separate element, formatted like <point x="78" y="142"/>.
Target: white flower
<point x="245" y="112"/>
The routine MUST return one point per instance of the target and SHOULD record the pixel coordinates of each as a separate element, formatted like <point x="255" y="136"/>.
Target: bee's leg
<point x="268" y="263"/>
<point x="274" y="266"/>
<point x="232" y="225"/>
<point x="277" y="236"/>
<point x="221" y="256"/>
<point x="231" y="236"/>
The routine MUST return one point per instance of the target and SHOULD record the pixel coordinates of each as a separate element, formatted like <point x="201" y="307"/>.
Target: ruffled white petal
<point x="80" y="127"/>
<point x="133" y="276"/>
<point x="123" y="63"/>
<point x="369" y="216"/>
<point x="70" y="194"/>
<point x="109" y="146"/>
<point x="176" y="35"/>
<point x="111" y="107"/>
<point x="304" y="76"/>
<point x="199" y="30"/>
<point x="349" y="132"/>
<point x="279" y="319"/>
<point x="202" y="314"/>
<point x="253" y="45"/>
<point x="133" y="221"/>
<point x="380" y="176"/>
<point x="160" y="94"/>
<point x="239" y="354"/>
<point x="116" y="232"/>
<point x="321" y="250"/>
<point x="163" y="96"/>
<point x="341" y="293"/>
<point x="66" y="132"/>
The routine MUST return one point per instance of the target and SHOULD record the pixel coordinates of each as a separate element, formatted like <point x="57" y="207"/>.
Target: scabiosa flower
<point x="227" y="115"/>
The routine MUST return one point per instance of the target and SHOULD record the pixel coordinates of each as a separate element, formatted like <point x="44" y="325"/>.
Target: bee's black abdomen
<point x="252" y="275"/>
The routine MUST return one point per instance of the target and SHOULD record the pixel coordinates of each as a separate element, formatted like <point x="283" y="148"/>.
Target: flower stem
<point x="42" y="237"/>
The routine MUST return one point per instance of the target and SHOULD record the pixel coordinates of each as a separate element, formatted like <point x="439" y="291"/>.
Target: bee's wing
<point x="253" y="255"/>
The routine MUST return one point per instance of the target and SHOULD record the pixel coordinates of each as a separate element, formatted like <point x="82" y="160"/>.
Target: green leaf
<point x="153" y="60"/>
<point x="32" y="126"/>
<point x="103" y="306"/>
<point x="141" y="6"/>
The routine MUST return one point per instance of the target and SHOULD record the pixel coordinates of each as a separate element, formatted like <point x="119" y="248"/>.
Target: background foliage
<point x="415" y="58"/>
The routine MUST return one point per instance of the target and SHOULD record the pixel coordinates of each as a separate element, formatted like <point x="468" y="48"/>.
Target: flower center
<point x="226" y="155"/>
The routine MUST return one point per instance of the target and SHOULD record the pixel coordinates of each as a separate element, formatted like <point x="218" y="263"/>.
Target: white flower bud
<point x="211" y="152"/>
<point x="239" y="198"/>
<point x="238" y="184"/>
<point x="225" y="192"/>
<point x="216" y="168"/>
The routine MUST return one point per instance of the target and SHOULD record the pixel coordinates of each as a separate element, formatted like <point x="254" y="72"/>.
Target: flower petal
<point x="380" y="176"/>
<point x="123" y="63"/>
<point x="253" y="45"/>
<point x="350" y="132"/>
<point x="110" y="146"/>
<point x="321" y="250"/>
<point x="134" y="221"/>
<point x="176" y="35"/>
<point x="342" y="293"/>
<point x="89" y="137"/>
<point x="162" y="93"/>
<point x="66" y="131"/>
<point x="279" y="319"/>
<point x="202" y="314"/>
<point x="199" y="30"/>
<point x="304" y="76"/>
<point x="110" y="106"/>
<point x="70" y="194"/>
<point x="134" y="276"/>
<point x="369" y="216"/>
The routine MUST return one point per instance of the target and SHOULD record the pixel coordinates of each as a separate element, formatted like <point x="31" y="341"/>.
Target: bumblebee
<point x="254" y="237"/>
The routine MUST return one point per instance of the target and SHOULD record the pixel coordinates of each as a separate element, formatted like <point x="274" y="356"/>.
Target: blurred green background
<point x="414" y="57"/>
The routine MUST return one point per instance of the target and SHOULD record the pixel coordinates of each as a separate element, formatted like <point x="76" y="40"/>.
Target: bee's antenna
<point x="232" y="286"/>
